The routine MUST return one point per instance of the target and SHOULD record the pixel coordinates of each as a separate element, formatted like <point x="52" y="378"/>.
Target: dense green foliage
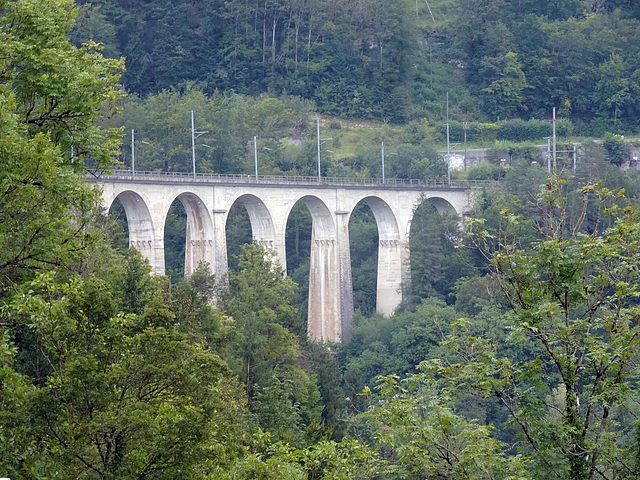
<point x="51" y="94"/>
<point x="380" y="59"/>
<point x="353" y="58"/>
<point x="572" y="300"/>
<point x="514" y="354"/>
<point x="163" y="132"/>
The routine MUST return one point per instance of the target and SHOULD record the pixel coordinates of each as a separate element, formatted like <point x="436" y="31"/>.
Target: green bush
<point x="456" y="133"/>
<point x="516" y="130"/>
<point x="415" y="132"/>
<point x="487" y="132"/>
<point x="616" y="149"/>
<point x="564" y="128"/>
<point x="476" y="132"/>
<point x="485" y="171"/>
<point x="523" y="131"/>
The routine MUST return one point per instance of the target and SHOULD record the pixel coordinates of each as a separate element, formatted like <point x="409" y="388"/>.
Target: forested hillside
<point x="515" y="352"/>
<point x="387" y="60"/>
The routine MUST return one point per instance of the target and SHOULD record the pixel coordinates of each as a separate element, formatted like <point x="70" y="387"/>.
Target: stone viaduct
<point x="207" y="199"/>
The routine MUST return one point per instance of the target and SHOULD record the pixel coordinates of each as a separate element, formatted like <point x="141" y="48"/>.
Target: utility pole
<point x="320" y="142"/>
<point x="193" y="143"/>
<point x="255" y="155"/>
<point x="194" y="135"/>
<point x="133" y="152"/>
<point x="382" y="143"/>
<point x="318" y="135"/>
<point x="554" y="140"/>
<point x="465" y="126"/>
<point x="448" y="145"/>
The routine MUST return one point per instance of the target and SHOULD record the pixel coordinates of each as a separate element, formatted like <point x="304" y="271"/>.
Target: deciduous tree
<point x="573" y="296"/>
<point x="51" y="95"/>
<point x="125" y="398"/>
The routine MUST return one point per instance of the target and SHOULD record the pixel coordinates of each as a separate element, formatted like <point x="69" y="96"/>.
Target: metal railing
<point x="118" y="175"/>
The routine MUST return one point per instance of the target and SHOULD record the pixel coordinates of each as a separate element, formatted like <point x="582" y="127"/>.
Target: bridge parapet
<point x="278" y="180"/>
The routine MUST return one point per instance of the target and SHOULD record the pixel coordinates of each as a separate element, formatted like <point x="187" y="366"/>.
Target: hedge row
<point x="511" y="130"/>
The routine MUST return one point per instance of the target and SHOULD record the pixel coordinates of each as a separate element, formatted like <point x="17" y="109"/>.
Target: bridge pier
<point x="200" y="242"/>
<point x="265" y="231"/>
<point x="220" y="263"/>
<point x="345" y="284"/>
<point x="324" y="304"/>
<point x="330" y="291"/>
<point x="393" y="262"/>
<point x="146" y="228"/>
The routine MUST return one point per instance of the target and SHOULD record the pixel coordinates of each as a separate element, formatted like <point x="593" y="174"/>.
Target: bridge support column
<point x="219" y="265"/>
<point x="150" y="246"/>
<point x="324" y="304"/>
<point x="281" y="251"/>
<point x="198" y="249"/>
<point x="393" y="268"/>
<point x="158" y="253"/>
<point x="146" y="229"/>
<point x="330" y="289"/>
<point x="199" y="245"/>
<point x="345" y="284"/>
<point x="276" y="245"/>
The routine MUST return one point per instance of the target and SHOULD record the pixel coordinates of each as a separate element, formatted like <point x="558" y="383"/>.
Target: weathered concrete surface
<point x="207" y="203"/>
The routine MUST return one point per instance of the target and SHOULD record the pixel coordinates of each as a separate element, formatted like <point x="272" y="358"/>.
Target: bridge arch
<point x="391" y="254"/>
<point x="385" y="218"/>
<point x="441" y="205"/>
<point x="142" y="232"/>
<point x="323" y="225"/>
<point x="433" y="233"/>
<point x="262" y="226"/>
<point x="199" y="235"/>
<point x="326" y="292"/>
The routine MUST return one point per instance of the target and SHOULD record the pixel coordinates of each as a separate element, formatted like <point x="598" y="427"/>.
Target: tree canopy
<point x="513" y="358"/>
<point x="393" y="61"/>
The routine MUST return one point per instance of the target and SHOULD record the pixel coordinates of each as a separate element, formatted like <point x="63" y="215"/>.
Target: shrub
<point x="516" y="130"/>
<point x="523" y="131"/>
<point x="616" y="150"/>
<point x="484" y="171"/>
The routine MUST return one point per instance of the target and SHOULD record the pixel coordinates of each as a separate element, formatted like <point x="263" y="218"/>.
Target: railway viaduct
<point x="207" y="199"/>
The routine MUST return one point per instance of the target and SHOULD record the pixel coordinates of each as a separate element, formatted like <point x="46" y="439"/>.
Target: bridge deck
<point x="279" y="180"/>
